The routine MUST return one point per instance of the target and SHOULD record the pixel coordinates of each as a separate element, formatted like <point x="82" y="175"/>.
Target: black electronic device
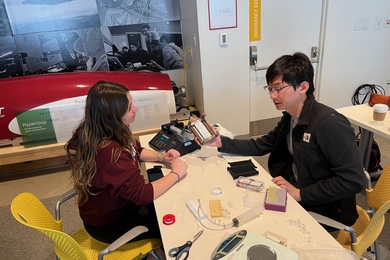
<point x="154" y="173"/>
<point x="174" y="136"/>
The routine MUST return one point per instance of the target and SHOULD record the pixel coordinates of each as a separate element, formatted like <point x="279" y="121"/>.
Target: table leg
<point x="365" y="145"/>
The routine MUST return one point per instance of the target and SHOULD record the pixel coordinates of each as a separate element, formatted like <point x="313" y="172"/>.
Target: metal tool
<point x="178" y="252"/>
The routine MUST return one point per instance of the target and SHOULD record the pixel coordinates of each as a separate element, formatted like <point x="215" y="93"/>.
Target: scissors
<point x="178" y="252"/>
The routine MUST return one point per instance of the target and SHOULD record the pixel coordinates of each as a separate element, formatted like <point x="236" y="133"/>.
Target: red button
<point x="169" y="219"/>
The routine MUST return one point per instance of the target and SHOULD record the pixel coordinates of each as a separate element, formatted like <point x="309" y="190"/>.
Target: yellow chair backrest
<point x="372" y="230"/>
<point x="29" y="210"/>
<point x="65" y="246"/>
<point x="367" y="230"/>
<point x="344" y="237"/>
<point x="381" y="193"/>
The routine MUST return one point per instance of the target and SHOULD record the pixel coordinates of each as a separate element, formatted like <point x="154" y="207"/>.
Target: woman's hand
<point x="282" y="183"/>
<point x="178" y="171"/>
<point x="179" y="166"/>
<point x="170" y="155"/>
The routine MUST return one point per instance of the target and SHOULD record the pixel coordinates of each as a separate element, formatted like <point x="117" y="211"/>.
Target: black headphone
<point x="365" y="91"/>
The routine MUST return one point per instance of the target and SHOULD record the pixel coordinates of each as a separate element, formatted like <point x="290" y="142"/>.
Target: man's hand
<point x="282" y="183"/>
<point x="216" y="142"/>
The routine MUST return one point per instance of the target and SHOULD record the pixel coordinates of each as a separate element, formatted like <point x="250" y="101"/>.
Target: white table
<point x="208" y="168"/>
<point x="362" y="116"/>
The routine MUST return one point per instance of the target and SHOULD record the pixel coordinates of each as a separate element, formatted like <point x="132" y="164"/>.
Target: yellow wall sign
<point x="255" y="20"/>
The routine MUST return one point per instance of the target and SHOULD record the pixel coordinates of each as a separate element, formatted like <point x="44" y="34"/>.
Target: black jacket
<point x="330" y="170"/>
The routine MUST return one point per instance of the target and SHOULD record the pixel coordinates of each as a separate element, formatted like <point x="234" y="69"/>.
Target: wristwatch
<point x="159" y="155"/>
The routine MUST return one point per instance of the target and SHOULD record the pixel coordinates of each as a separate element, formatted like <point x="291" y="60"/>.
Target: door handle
<point x="253" y="55"/>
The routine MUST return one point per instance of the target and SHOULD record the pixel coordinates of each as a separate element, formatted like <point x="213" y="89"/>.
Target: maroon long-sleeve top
<point x="119" y="186"/>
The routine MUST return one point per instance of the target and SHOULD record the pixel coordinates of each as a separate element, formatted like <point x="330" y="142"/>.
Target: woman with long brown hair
<point x="105" y="159"/>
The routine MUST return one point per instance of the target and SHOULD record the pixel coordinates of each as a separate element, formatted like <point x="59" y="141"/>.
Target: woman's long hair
<point x="106" y="104"/>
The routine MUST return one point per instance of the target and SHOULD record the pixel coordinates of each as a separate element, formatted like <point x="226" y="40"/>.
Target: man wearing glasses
<point x="313" y="151"/>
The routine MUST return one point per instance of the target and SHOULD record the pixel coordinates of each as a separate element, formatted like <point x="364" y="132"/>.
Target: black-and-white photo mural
<point x="155" y="45"/>
<point x="57" y="36"/>
<point x="5" y="28"/>
<point x="62" y="51"/>
<point x="30" y="16"/>
<point x="125" y="12"/>
<point x="9" y="59"/>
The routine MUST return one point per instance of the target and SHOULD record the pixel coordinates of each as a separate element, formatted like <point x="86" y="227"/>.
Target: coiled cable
<point x="363" y="93"/>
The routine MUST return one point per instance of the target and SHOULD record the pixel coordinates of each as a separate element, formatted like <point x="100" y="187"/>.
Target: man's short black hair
<point x="167" y="38"/>
<point x="294" y="69"/>
<point x="147" y="26"/>
<point x="155" y="43"/>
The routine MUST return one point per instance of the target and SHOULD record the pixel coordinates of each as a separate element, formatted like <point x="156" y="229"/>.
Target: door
<point x="286" y="27"/>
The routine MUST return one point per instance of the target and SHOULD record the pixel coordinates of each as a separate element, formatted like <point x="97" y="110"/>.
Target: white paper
<point x="152" y="112"/>
<point x="66" y="119"/>
<point x="223" y="14"/>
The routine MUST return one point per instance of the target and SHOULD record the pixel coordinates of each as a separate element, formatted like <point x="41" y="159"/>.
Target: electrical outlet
<point x="386" y="22"/>
<point x="223" y="39"/>
<point x="363" y="24"/>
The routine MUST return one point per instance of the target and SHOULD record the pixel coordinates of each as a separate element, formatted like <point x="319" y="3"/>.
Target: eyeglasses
<point x="276" y="90"/>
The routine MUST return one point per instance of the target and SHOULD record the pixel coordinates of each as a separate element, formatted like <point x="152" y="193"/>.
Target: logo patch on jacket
<point x="306" y="137"/>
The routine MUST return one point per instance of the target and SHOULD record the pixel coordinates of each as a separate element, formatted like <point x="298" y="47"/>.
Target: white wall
<point x="351" y="58"/>
<point x="218" y="77"/>
<point x="192" y="75"/>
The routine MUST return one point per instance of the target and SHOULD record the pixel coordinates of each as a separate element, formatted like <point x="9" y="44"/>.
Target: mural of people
<point x="74" y="50"/>
<point x="148" y="36"/>
<point x="173" y="55"/>
<point x="124" y="12"/>
<point x="67" y="35"/>
<point x="137" y="55"/>
<point x="9" y="60"/>
<point x="88" y="44"/>
<point x="156" y="55"/>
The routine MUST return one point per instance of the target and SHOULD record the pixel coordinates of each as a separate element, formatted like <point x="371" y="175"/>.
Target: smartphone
<point x="154" y="173"/>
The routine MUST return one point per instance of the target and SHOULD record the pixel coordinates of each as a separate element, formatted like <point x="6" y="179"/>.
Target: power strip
<point x="193" y="206"/>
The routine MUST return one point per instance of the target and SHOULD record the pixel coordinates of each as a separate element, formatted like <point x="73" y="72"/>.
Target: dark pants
<point x="142" y="215"/>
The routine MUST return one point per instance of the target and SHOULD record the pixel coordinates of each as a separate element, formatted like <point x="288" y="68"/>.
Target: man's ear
<point x="304" y="87"/>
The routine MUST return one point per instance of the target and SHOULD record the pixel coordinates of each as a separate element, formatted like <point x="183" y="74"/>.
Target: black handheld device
<point x="154" y="173"/>
<point x="174" y="136"/>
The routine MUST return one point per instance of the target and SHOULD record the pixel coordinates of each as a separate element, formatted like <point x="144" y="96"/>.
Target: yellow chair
<point x="380" y="194"/>
<point x="362" y="234"/>
<point x="29" y="210"/>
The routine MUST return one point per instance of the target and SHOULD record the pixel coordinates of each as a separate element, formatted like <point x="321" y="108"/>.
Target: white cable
<point x="200" y="208"/>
